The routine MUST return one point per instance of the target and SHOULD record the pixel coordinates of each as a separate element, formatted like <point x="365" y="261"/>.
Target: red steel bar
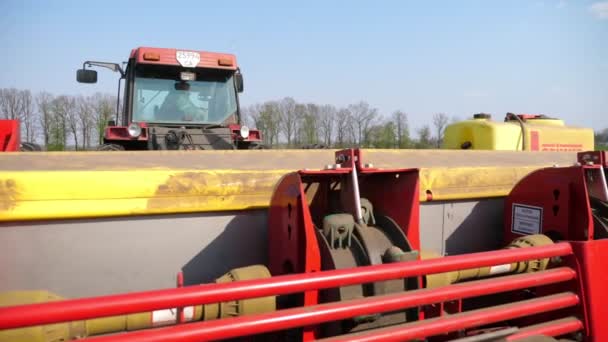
<point x="305" y="316"/>
<point x="469" y="319"/>
<point x="552" y="328"/>
<point x="95" y="307"/>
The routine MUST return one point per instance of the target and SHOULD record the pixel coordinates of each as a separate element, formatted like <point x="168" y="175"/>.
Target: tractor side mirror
<point x="86" y="76"/>
<point x="238" y="79"/>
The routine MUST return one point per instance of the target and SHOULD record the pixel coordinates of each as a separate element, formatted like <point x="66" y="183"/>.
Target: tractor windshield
<point x="160" y="96"/>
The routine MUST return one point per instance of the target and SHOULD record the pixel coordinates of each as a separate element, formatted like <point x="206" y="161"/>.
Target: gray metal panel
<point x="431" y="226"/>
<point x="470" y="227"/>
<point x="94" y="257"/>
<point x="77" y="258"/>
<point x="458" y="227"/>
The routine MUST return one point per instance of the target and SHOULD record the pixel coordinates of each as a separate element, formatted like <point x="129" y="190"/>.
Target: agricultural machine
<point x="345" y="263"/>
<point x="10" y="138"/>
<point x="518" y="132"/>
<point x="176" y="99"/>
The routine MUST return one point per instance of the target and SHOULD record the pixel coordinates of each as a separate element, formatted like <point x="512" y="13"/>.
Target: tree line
<point x="601" y="139"/>
<point x="61" y="121"/>
<point x="78" y="122"/>
<point x="291" y="124"/>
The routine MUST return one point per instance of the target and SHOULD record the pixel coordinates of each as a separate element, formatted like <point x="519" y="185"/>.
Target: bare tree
<point x="60" y="107"/>
<point x="269" y="122"/>
<point x="262" y="116"/>
<point x="424" y="138"/>
<point x="44" y="102"/>
<point x="27" y="115"/>
<point x="402" y="129"/>
<point x="362" y="116"/>
<point x="3" y="114"/>
<point x="289" y="118"/>
<point x="72" y="119"/>
<point x="344" y="128"/>
<point x="103" y="106"/>
<point x="309" y="124"/>
<point x="10" y="104"/>
<point x="440" y="121"/>
<point x="383" y="135"/>
<point x="327" y="116"/>
<point x="86" y="119"/>
<point x="251" y="115"/>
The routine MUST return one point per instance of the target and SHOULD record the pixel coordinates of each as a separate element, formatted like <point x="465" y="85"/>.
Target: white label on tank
<point x="169" y="316"/>
<point x="499" y="269"/>
<point x="527" y="219"/>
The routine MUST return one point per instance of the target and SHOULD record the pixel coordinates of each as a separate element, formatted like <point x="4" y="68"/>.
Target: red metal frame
<point x="313" y="315"/>
<point x="562" y="193"/>
<point x="292" y="240"/>
<point x="10" y="136"/>
<point x="95" y="307"/>
<point x="121" y="133"/>
<point x="592" y="256"/>
<point x="464" y="320"/>
<point x="254" y="134"/>
<point x="557" y="327"/>
<point x="593" y="157"/>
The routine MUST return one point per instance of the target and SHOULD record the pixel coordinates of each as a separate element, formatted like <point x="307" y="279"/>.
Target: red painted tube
<point x="552" y="328"/>
<point x="312" y="315"/>
<point x="95" y="307"/>
<point x="469" y="319"/>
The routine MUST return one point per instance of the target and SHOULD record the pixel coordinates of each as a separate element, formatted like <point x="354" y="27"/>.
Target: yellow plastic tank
<point x="518" y="132"/>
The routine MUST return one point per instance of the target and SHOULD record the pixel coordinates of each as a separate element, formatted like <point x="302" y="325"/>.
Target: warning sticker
<point x="527" y="219"/>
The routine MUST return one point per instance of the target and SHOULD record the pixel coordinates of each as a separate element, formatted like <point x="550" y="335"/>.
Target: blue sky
<point x="423" y="57"/>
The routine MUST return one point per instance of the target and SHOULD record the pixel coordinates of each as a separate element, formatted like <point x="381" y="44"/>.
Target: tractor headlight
<point x="134" y="130"/>
<point x="244" y="132"/>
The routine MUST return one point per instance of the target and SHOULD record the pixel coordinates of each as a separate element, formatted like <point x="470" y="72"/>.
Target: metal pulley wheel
<point x="344" y="243"/>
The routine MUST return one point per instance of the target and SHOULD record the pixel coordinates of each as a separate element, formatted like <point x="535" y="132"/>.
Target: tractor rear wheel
<point x="29" y="147"/>
<point x="255" y="146"/>
<point x="110" y="147"/>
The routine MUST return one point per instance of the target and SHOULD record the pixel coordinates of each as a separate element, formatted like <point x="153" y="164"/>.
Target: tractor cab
<point x="175" y="99"/>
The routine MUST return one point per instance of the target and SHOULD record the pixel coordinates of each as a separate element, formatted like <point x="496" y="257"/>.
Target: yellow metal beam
<point x="32" y="195"/>
<point x="53" y="186"/>
<point x="470" y="182"/>
<point x="79" y="194"/>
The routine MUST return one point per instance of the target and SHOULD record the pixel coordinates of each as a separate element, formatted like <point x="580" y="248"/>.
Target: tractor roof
<point x="164" y="56"/>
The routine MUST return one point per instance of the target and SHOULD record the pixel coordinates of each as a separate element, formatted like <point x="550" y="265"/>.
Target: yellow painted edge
<point x="470" y="182"/>
<point x="34" y="195"/>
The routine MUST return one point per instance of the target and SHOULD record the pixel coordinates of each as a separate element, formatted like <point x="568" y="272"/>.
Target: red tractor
<point x="176" y="100"/>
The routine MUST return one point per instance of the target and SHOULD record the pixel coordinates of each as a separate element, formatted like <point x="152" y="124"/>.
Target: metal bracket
<point x="338" y="229"/>
<point x="108" y="65"/>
